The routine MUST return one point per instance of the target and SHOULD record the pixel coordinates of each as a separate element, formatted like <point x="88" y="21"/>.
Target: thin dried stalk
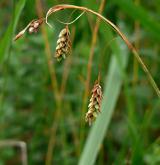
<point x="55" y="89"/>
<point x="89" y="67"/>
<point x="130" y="46"/>
<point x="137" y="45"/>
<point x="14" y="143"/>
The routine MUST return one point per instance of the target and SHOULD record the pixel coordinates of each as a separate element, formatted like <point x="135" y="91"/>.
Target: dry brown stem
<point x="117" y="30"/>
<point x="15" y="143"/>
<point x="130" y="46"/>
<point x="55" y="88"/>
<point x="89" y="66"/>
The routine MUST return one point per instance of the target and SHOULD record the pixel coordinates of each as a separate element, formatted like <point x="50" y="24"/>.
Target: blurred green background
<point x="43" y="102"/>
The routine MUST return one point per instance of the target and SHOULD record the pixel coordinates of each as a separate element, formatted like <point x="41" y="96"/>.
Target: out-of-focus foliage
<point x="28" y="104"/>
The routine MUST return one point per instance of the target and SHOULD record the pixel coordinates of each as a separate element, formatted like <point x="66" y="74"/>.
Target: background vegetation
<point x="43" y="102"/>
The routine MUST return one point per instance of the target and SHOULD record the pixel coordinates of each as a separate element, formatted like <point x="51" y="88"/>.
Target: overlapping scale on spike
<point x="63" y="48"/>
<point x="94" y="107"/>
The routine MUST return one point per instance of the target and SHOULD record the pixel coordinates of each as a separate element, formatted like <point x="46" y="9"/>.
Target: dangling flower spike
<point x="63" y="48"/>
<point x="94" y="107"/>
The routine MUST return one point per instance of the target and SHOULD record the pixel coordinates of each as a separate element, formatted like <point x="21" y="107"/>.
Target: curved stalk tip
<point x="124" y="38"/>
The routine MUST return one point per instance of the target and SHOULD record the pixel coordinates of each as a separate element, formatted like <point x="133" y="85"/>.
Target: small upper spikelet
<point x="94" y="106"/>
<point x="63" y="48"/>
<point x="32" y="27"/>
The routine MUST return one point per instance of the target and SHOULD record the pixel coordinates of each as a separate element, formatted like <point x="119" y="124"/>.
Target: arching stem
<point x="130" y="46"/>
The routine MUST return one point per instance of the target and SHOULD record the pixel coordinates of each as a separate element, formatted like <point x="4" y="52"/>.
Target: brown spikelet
<point x="32" y="27"/>
<point x="63" y="48"/>
<point x="94" y="106"/>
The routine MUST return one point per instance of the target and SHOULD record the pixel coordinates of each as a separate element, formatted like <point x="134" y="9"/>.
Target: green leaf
<point x="6" y="41"/>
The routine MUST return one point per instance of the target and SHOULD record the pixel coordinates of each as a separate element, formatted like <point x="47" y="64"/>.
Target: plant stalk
<point x="117" y="30"/>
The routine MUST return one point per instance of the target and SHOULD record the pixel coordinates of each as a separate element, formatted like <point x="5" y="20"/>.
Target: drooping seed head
<point x="94" y="107"/>
<point x="63" y="48"/>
